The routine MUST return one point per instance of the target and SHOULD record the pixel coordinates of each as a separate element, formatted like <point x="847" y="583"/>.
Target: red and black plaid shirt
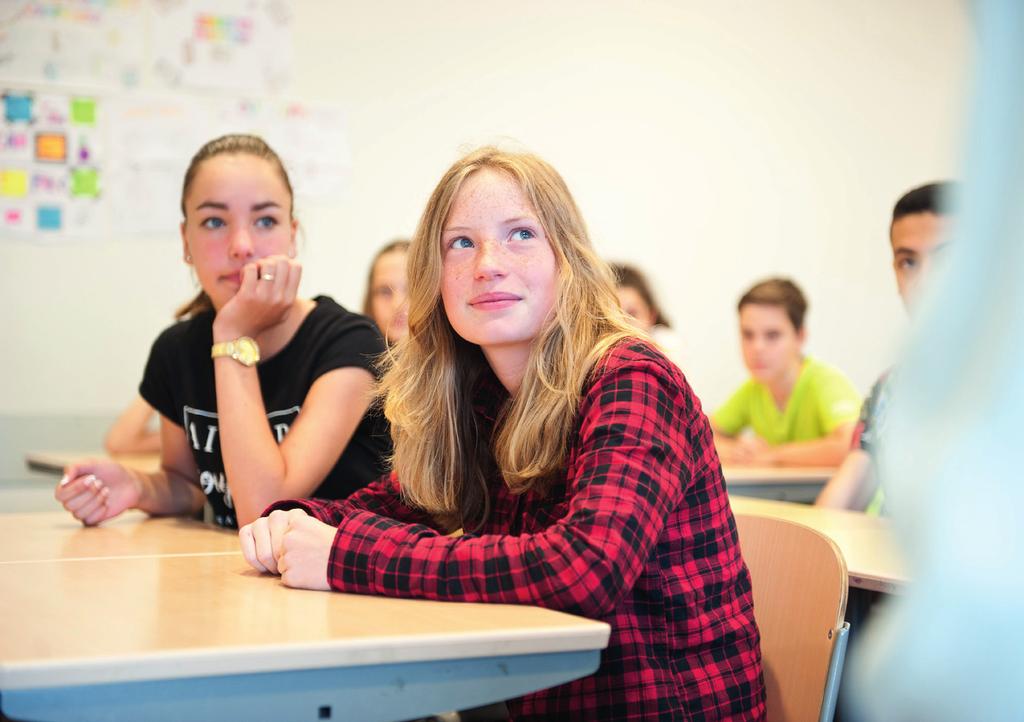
<point x="638" y="533"/>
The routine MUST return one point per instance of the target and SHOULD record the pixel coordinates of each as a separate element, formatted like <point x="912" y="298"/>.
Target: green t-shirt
<point x="822" y="399"/>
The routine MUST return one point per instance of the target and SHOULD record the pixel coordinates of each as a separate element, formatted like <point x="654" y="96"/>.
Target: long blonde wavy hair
<point x="443" y="456"/>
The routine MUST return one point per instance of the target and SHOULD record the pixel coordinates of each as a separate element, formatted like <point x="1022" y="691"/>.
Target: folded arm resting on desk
<point x="579" y="555"/>
<point x="826" y="451"/>
<point x="94" y="490"/>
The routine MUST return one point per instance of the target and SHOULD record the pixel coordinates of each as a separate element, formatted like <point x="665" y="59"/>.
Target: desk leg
<point x="380" y="693"/>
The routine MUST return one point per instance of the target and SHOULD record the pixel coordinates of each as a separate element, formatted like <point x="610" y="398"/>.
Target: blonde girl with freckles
<point x="526" y="410"/>
<point x="262" y="394"/>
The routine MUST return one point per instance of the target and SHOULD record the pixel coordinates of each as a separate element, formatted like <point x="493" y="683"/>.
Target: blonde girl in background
<point x="387" y="295"/>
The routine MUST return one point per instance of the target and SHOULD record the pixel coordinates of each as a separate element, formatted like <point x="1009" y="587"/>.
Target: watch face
<point x="247" y="351"/>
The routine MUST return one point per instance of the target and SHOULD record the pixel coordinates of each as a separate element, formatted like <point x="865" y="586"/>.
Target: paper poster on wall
<point x="310" y="138"/>
<point x="82" y="42"/>
<point x="239" y="45"/>
<point x="83" y="166"/>
<point x="51" y="182"/>
<point x="153" y="140"/>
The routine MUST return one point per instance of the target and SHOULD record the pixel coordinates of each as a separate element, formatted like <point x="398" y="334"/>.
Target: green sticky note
<point x="85" y="182"/>
<point x="13" y="183"/>
<point x="83" y="111"/>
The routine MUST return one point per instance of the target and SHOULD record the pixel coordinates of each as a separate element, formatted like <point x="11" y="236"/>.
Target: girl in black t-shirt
<point x="262" y="394"/>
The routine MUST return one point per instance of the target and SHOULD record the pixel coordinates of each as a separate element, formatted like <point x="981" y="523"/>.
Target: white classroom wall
<point x="709" y="143"/>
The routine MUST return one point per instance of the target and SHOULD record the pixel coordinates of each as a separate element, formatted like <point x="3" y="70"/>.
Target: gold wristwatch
<point x="243" y="350"/>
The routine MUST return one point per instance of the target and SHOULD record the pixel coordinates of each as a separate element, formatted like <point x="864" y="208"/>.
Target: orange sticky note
<point x="51" y="147"/>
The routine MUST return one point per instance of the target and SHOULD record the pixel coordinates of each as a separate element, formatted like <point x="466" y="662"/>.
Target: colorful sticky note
<point x="15" y="218"/>
<point x="49" y="182"/>
<point x="51" y="147"/>
<point x="48" y="218"/>
<point x="13" y="183"/>
<point x="17" y="108"/>
<point x="14" y="140"/>
<point x="83" y="111"/>
<point x="85" y="182"/>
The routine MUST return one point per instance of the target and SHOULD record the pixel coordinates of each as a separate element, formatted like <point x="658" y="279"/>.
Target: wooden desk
<point x="782" y="483"/>
<point x="94" y="626"/>
<point x="57" y="536"/>
<point x="873" y="558"/>
<point x="53" y="462"/>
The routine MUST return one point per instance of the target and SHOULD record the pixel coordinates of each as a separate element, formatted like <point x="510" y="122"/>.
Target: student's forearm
<point x="130" y="433"/>
<point x="118" y="442"/>
<point x="726" y="446"/>
<point x="167" y="492"/>
<point x="253" y="462"/>
<point x="853" y="484"/>
<point x="820" y="452"/>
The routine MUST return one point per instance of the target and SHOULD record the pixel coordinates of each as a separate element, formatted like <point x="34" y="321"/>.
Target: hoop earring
<point x="188" y="258"/>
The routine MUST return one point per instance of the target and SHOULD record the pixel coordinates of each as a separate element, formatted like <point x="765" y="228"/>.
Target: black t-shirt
<point x="179" y="383"/>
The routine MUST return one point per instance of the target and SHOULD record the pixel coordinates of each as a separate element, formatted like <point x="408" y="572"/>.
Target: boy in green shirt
<point x="801" y="411"/>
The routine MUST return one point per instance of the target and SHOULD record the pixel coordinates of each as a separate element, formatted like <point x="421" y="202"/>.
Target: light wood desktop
<point x="783" y="483"/>
<point x="163" y="618"/>
<point x="57" y="536"/>
<point x="873" y="558"/>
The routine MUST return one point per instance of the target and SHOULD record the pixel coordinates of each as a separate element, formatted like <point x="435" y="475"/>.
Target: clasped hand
<point x="750" y="450"/>
<point x="95" y="490"/>
<point x="266" y="294"/>
<point x="290" y="543"/>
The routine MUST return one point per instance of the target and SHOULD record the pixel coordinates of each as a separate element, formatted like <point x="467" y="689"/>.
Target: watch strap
<point x="235" y="349"/>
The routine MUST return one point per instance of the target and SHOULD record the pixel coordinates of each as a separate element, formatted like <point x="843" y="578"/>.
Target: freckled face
<point x="499" y="273"/>
<point x="238" y="210"/>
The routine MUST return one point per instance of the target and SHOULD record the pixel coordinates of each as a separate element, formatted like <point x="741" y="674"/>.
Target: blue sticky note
<point x="48" y="218"/>
<point x="17" y="108"/>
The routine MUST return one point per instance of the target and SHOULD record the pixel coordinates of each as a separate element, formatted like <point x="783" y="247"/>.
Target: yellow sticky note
<point x="13" y="183"/>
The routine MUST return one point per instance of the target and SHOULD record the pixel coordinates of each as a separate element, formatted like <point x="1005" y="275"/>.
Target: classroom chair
<point x="800" y="588"/>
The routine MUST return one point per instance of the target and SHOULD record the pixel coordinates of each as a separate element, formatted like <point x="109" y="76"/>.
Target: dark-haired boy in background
<point x="917" y="233"/>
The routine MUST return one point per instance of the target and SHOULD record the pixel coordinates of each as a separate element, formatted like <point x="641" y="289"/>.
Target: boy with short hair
<point x="801" y="411"/>
<point x="916" y="234"/>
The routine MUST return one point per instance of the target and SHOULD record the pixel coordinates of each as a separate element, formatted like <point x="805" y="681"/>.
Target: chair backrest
<point x="800" y="588"/>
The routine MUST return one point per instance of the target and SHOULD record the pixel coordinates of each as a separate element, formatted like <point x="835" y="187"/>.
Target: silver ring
<point x="267" y="277"/>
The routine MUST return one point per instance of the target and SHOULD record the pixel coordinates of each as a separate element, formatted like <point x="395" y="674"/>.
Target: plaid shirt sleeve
<point x="381" y="497"/>
<point x="622" y="481"/>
